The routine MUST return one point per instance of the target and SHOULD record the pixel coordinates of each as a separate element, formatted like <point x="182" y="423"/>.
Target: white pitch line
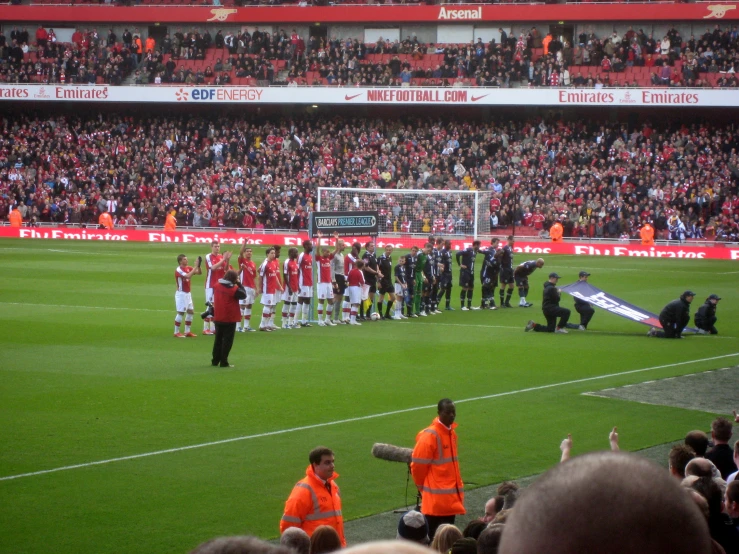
<point x="360" y="418"/>
<point x="728" y="273"/>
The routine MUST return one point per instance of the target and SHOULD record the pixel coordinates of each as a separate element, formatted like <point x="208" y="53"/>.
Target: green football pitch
<point x="117" y="438"/>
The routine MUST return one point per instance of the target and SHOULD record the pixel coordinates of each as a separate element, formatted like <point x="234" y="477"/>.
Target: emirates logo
<point x="182" y="95"/>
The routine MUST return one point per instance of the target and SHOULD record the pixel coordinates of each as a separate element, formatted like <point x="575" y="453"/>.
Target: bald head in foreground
<point x="389" y="547"/>
<point x="609" y="503"/>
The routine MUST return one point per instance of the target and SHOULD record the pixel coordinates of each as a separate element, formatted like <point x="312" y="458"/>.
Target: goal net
<point x="440" y="212"/>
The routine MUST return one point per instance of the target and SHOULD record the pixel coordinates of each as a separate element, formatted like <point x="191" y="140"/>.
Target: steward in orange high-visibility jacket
<point x="435" y="468"/>
<point x="315" y="500"/>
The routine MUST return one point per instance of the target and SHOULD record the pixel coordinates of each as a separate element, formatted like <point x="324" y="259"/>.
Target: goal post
<point x="415" y="211"/>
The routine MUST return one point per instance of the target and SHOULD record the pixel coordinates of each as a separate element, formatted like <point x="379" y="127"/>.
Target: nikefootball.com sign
<point x="431" y="96"/>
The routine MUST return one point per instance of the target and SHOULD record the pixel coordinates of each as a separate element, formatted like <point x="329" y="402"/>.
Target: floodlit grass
<point x="90" y="372"/>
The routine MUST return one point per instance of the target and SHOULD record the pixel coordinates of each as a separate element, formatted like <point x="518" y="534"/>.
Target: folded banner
<point x="587" y="292"/>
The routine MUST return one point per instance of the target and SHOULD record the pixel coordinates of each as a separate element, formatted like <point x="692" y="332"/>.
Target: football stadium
<point x="446" y="277"/>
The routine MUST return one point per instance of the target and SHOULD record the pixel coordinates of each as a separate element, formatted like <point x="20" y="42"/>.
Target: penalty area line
<point x="359" y="418"/>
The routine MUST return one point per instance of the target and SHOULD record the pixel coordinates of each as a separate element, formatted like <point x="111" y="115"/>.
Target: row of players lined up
<point x="369" y="287"/>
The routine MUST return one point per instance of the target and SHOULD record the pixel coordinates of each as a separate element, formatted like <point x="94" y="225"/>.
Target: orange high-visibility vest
<point x="170" y="224"/>
<point x="311" y="505"/>
<point x="15" y="218"/>
<point x="545" y="43"/>
<point x="105" y="220"/>
<point x="555" y="233"/>
<point x="435" y="471"/>
<point x="647" y="235"/>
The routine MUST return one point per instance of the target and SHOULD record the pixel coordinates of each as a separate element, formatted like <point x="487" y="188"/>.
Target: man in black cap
<point x="705" y="317"/>
<point x="674" y="317"/>
<point x="585" y="310"/>
<point x="552" y="310"/>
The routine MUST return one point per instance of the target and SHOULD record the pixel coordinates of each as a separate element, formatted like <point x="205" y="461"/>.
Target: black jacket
<point x="677" y="311"/>
<point x="705" y="313"/>
<point x="550" y="300"/>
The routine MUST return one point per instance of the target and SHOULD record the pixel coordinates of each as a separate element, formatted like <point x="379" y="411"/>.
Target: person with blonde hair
<point x="446" y="535"/>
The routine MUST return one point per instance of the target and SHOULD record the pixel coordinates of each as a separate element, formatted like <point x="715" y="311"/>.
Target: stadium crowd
<point x="599" y="179"/>
<point x="692" y="507"/>
<point x="281" y="58"/>
<point x="88" y="59"/>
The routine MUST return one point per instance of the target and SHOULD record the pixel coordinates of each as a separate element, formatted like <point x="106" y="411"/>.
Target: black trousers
<point x="670" y="329"/>
<point x="435" y="521"/>
<point x="562" y="313"/>
<point x="224" y="340"/>
<point x="586" y="314"/>
<point x="707" y="324"/>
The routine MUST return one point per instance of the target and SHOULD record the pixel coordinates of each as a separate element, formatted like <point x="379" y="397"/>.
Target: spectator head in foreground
<point x="239" y="545"/>
<point x="297" y="539"/>
<point x="607" y="502"/>
<point x="680" y="456"/>
<point x="489" y="540"/>
<point x="446" y="535"/>
<point x="698" y="441"/>
<point x="413" y="527"/>
<point x="388" y="547"/>
<point x="324" y="539"/>
<point x="492" y="507"/>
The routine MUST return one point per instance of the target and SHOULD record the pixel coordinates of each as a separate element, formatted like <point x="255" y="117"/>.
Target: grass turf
<point x="91" y="372"/>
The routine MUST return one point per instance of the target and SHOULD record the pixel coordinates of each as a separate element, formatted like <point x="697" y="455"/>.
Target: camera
<point x="208" y="311"/>
<point x="199" y="261"/>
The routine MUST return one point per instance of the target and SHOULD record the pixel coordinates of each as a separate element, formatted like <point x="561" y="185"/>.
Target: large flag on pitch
<point x="587" y="292"/>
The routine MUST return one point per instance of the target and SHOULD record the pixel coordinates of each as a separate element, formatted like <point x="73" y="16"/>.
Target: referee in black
<point x="385" y="265"/>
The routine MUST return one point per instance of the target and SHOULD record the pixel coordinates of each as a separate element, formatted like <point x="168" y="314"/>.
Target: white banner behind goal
<point x="415" y="211"/>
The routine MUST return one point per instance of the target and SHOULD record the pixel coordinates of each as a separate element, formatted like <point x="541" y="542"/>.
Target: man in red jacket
<point x="226" y="295"/>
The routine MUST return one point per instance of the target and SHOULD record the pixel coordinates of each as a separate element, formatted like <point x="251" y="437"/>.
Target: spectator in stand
<point x="680" y="455"/>
<point x="295" y="539"/>
<point x="324" y="539"/>
<point x="721" y="453"/>
<point x="661" y="518"/>
<point x="698" y="441"/>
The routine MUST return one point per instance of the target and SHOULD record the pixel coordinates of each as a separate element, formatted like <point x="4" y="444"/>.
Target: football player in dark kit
<point x="489" y="276"/>
<point x="552" y="310"/>
<point x="505" y="259"/>
<point x="705" y="317"/>
<point x="585" y="310"/>
<point x="521" y="276"/>
<point x="411" y="260"/>
<point x="445" y="274"/>
<point x="674" y="317"/>
<point x="436" y="260"/>
<point x="466" y="262"/>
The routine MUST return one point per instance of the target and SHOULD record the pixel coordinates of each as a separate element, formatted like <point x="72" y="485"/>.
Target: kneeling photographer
<point x="226" y="296"/>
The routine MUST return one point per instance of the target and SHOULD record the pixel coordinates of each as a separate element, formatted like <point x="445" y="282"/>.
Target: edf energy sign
<point x="350" y="224"/>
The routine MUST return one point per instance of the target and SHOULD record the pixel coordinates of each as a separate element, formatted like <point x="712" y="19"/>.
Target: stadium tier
<point x="599" y="179"/>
